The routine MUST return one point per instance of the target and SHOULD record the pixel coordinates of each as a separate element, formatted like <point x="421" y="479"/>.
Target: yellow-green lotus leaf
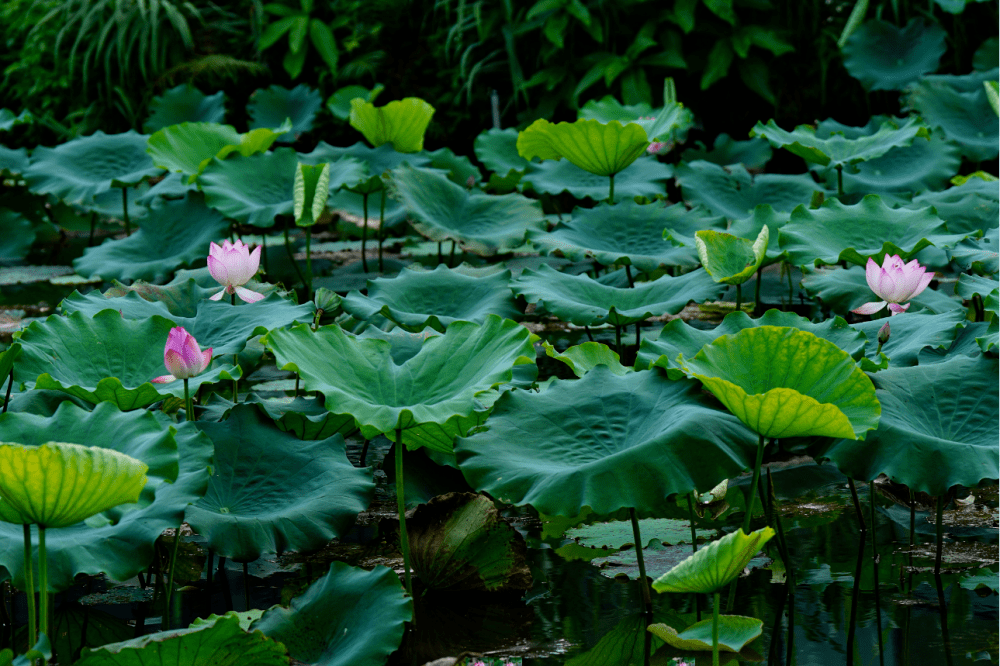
<point x="785" y="382"/>
<point x="735" y="632"/>
<point x="401" y="122"/>
<point x="58" y="484"/>
<point x="714" y="565"/>
<point x="603" y="149"/>
<point x="728" y="258"/>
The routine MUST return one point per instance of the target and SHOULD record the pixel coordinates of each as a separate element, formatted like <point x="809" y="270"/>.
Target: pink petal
<point x="247" y="295"/>
<point x="885" y="287"/>
<point x="175" y="364"/>
<point x="898" y="309"/>
<point x="206" y="358"/>
<point x="924" y="281"/>
<point x="872" y="273"/>
<point x="218" y="296"/>
<point x="217" y="269"/>
<point x="214" y="250"/>
<point x="163" y="379"/>
<point x="911" y="280"/>
<point x="869" y="308"/>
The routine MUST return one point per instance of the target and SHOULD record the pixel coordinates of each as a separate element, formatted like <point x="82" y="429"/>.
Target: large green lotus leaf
<point x="417" y="299"/>
<point x="628" y="233"/>
<point x="584" y="357"/>
<point x="837" y="149"/>
<point x="910" y="332"/>
<point x="216" y="324"/>
<point x="921" y="166"/>
<point x="77" y="170"/>
<point x="938" y="427"/>
<point x="436" y="385"/>
<point x="969" y="285"/>
<point x="583" y="442"/>
<point x="182" y="104"/>
<point x="58" y="484"/>
<point x="215" y="641"/>
<point x="189" y="147"/>
<point x="401" y="123"/>
<point x="105" y="358"/>
<point x="458" y="167"/>
<point x="379" y="160"/>
<point x="459" y="541"/>
<point x="271" y="106"/>
<point x="19" y="234"/>
<point x="843" y="290"/>
<point x="967" y="208"/>
<point x="178" y="460"/>
<point x="967" y="343"/>
<point x="305" y="417"/>
<point x="751" y="227"/>
<point x="603" y="149"/>
<point x="667" y="123"/>
<point x="7" y="358"/>
<point x="346" y="618"/>
<point x="730" y="259"/>
<point x="645" y="177"/>
<point x="350" y="206"/>
<point x="786" y="382"/>
<point x="178" y="298"/>
<point x="752" y="153"/>
<point x="734" y="633"/>
<point x="174" y="235"/>
<point x="716" y="564"/>
<point x="679" y="338"/>
<point x="271" y="491"/>
<point x="965" y="117"/>
<point x="253" y="190"/>
<point x="13" y="162"/>
<point x="8" y="120"/>
<point x="481" y="223"/>
<point x="977" y="254"/>
<point x="836" y="232"/>
<point x="884" y="57"/>
<point x="733" y="193"/>
<point x="497" y="150"/>
<point x="581" y="300"/>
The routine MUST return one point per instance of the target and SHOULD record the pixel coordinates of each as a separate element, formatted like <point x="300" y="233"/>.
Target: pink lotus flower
<point x="233" y="265"/>
<point x="183" y="357"/>
<point x="657" y="147"/>
<point x="894" y="283"/>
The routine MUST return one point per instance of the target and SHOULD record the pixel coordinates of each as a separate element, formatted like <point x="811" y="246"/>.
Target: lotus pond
<point x="588" y="393"/>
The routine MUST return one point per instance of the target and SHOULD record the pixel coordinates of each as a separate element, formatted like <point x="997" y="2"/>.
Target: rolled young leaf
<point x="400" y="122"/>
<point x="731" y="259"/>
<point x="312" y="189"/>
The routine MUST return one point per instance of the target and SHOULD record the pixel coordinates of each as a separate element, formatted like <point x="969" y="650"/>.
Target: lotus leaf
<point x="584" y="442"/>
<point x="733" y="193"/>
<point x="379" y="160"/>
<point x="350" y="207"/>
<point x="616" y="534"/>
<point x="8" y="120"/>
<point x="180" y="297"/>
<point x="305" y="417"/>
<point x="966" y="343"/>
<point x="969" y="285"/>
<point x="437" y="385"/>
<point x="185" y="103"/>
<point x="752" y="153"/>
<point x="459" y="541"/>
<point x="458" y="167"/>
<point x="339" y="102"/>
<point x="271" y="106"/>
<point x="979" y="254"/>
<point x="311" y="191"/>
<point x="734" y="633"/>
<point x="583" y="358"/>
<point x="786" y="382"/>
<point x="583" y="301"/>
<point x="730" y="259"/>
<point x="273" y="492"/>
<point x="884" y="57"/>
<point x="77" y="170"/>
<point x="716" y="564"/>
<point x="929" y="449"/>
<point x="90" y="480"/>
<point x="912" y="332"/>
<point x="105" y="358"/>
<point x="966" y="209"/>
<point x="215" y="641"/>
<point x="628" y="233"/>
<point x="603" y="149"/>
<point x="837" y="232"/>
<point x="751" y="227"/>
<point x="497" y="149"/>
<point x="13" y="162"/>
<point x="415" y="300"/>
<point x="41" y="650"/>
<point x="965" y="117"/>
<point x="173" y="186"/>
<point x="254" y="189"/>
<point x="178" y="459"/>
<point x="645" y="177"/>
<point x="480" y="223"/>
<point x="837" y="150"/>
<point x="401" y="123"/>
<point x="349" y="616"/>
<point x="189" y="147"/>
<point x="843" y="290"/>
<point x="19" y="234"/>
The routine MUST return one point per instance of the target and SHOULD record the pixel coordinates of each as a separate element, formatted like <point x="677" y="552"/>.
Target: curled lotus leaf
<point x="577" y="443"/>
<point x="78" y="170"/>
<point x="58" y="484"/>
<point x="714" y="565"/>
<point x="645" y="177"/>
<point x="884" y="57"/>
<point x="312" y="189"/>
<point x="583" y="358"/>
<point x="735" y="632"/>
<point x="178" y="458"/>
<point x="401" y="123"/>
<point x="603" y="149"/>
<point x="733" y="192"/>
<point x="731" y="259"/>
<point x="938" y="427"/>
<point x="751" y="227"/>
<point x="581" y="300"/>
<point x="786" y="382"/>
<point x="271" y="106"/>
<point x="182" y="104"/>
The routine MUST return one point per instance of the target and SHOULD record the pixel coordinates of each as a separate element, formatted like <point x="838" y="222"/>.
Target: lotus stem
<point x="875" y="560"/>
<point x="644" y="584"/>
<point x="291" y="257"/>
<point x="857" y="505"/>
<point x="739" y="297"/>
<point x="753" y="484"/>
<point x="694" y="548"/>
<point x="364" y="231"/>
<point x="840" y="180"/>
<point x="381" y="236"/>
<point x="852" y="627"/>
<point x="297" y="379"/>
<point x="263" y="251"/>
<point x="715" y="630"/>
<point x="628" y="274"/>
<point x="940" y="534"/>
<point x="10" y="385"/>
<point x="43" y="584"/>
<point x="29" y="584"/>
<point x="364" y="452"/>
<point x="611" y="193"/>
<point x="757" y="310"/>
<point x="236" y="393"/>
<point x="913" y="523"/>
<point x="93" y="227"/>
<point x="309" y="265"/>
<point x="167" y="615"/>
<point x="618" y="340"/>
<point x="977" y="304"/>
<point x="790" y="642"/>
<point x="451" y="256"/>
<point x="943" y="609"/>
<point x="638" y="337"/>
<point x="188" y="404"/>
<point x="128" y="223"/>
<point x="246" y="586"/>
<point x="440" y="255"/>
<point x="404" y="541"/>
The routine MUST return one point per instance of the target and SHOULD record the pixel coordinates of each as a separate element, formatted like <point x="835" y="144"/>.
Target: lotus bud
<point x="470" y="182"/>
<point x="883" y="334"/>
<point x="183" y="357"/>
